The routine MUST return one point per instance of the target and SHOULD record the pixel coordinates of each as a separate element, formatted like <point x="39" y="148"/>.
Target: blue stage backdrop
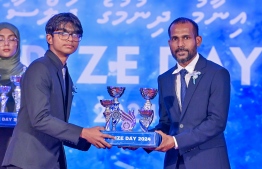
<point x="125" y="44"/>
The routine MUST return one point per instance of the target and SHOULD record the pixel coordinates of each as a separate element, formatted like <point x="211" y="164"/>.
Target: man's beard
<point x="190" y="55"/>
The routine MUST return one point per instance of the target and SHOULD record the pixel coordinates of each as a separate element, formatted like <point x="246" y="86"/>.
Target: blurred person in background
<point x="9" y="65"/>
<point x="9" y="59"/>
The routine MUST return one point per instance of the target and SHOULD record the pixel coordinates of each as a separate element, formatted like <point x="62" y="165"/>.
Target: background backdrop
<point x="125" y="44"/>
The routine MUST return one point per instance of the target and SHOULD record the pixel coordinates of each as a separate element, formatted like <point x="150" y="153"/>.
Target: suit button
<point x="181" y="126"/>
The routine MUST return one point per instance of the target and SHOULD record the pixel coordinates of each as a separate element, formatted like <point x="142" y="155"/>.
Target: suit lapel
<point x="173" y="90"/>
<point x="172" y="86"/>
<point x="201" y="63"/>
<point x="61" y="80"/>
<point x="171" y="100"/>
<point x="69" y="96"/>
<point x="176" y="101"/>
<point x="58" y="64"/>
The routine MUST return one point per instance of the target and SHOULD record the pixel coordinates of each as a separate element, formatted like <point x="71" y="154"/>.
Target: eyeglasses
<point x="10" y="41"/>
<point x="65" y="36"/>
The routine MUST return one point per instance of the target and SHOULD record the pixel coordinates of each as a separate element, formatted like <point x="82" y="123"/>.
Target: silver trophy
<point x="17" y="91"/>
<point x="115" y="92"/>
<point x="146" y="112"/>
<point x="3" y="91"/>
<point x="128" y="120"/>
<point x="107" y="113"/>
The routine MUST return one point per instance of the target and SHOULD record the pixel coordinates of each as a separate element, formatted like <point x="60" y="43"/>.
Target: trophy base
<point x="8" y="119"/>
<point x="134" y="139"/>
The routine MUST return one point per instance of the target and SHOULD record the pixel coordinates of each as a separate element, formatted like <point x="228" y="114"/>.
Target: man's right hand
<point x="94" y="136"/>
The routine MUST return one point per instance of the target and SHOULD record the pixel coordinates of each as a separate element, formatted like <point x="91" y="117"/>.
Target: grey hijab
<point x="11" y="65"/>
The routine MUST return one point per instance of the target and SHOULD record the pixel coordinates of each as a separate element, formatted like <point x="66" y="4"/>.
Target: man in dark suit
<point x="47" y="92"/>
<point x="193" y="107"/>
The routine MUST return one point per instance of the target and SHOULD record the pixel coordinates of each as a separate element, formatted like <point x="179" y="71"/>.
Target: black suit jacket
<point x="42" y="125"/>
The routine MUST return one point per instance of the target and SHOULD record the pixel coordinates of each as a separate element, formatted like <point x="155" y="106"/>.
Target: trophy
<point x="3" y="91"/>
<point x="107" y="113"/>
<point x="146" y="112"/>
<point x="127" y="137"/>
<point x="115" y="92"/>
<point x="17" y="91"/>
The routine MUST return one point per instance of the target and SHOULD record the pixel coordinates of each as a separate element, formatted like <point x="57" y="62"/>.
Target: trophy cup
<point x="115" y="92"/>
<point x="3" y="91"/>
<point x="17" y="91"/>
<point x="146" y="112"/>
<point x="107" y="113"/>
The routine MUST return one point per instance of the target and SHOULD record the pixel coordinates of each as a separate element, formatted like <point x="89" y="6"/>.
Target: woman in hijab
<point x="9" y="65"/>
<point x="9" y="59"/>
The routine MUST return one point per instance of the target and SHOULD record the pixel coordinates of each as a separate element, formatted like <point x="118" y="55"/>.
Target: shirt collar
<point x="190" y="67"/>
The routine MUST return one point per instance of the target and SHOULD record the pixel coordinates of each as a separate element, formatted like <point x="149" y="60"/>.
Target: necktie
<point x="64" y="87"/>
<point x="64" y="78"/>
<point x="183" y="73"/>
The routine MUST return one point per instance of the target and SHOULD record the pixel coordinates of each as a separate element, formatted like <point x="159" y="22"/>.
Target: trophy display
<point x="7" y="119"/>
<point x="17" y="91"/>
<point x="126" y="137"/>
<point x="3" y="91"/>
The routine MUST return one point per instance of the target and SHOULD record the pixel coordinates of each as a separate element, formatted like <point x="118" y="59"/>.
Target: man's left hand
<point x="167" y="142"/>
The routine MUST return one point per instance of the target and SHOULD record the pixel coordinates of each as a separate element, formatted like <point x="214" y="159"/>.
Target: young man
<point x="193" y="107"/>
<point x="42" y="126"/>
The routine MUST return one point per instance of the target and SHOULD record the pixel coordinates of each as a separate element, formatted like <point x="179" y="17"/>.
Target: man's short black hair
<point x="184" y="20"/>
<point x="58" y="22"/>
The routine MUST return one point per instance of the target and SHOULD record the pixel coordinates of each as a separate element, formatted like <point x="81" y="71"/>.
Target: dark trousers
<point x="180" y="163"/>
